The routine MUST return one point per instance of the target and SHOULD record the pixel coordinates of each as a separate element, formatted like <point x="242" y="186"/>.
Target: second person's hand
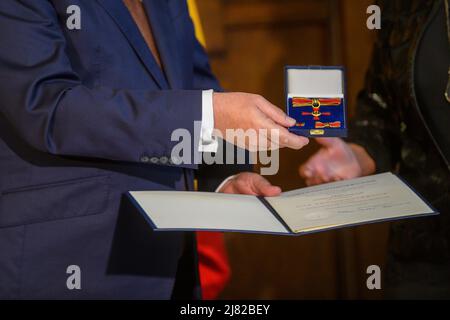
<point x="336" y="160"/>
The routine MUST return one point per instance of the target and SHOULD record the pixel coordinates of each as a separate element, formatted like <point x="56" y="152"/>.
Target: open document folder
<point x="364" y="200"/>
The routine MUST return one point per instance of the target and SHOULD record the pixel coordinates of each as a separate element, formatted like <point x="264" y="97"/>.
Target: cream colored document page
<point x="173" y="210"/>
<point x="361" y="200"/>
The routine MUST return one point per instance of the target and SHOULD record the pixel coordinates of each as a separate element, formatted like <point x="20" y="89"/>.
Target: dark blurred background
<point x="249" y="43"/>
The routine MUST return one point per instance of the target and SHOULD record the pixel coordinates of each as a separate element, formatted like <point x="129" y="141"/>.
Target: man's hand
<point x="249" y="111"/>
<point x="336" y="160"/>
<point x="251" y="184"/>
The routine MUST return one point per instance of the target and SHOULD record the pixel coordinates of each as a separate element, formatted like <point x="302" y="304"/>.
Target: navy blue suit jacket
<point x="86" y="115"/>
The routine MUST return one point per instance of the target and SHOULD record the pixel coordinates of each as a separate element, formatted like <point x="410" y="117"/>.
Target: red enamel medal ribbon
<point x="312" y="102"/>
<point x="322" y="125"/>
<point x="315" y="104"/>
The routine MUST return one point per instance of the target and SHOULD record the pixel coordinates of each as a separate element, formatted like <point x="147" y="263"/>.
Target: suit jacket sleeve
<point x="50" y="108"/>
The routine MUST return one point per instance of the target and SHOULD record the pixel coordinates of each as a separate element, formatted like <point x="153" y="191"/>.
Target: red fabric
<point x="307" y="102"/>
<point x="213" y="264"/>
<point x="316" y="113"/>
<point x="320" y="125"/>
<point x="315" y="104"/>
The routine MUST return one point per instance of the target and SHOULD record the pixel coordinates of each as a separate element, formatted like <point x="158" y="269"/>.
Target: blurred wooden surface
<point x="250" y="42"/>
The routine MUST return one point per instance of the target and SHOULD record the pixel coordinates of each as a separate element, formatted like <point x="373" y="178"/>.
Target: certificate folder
<point x="334" y="205"/>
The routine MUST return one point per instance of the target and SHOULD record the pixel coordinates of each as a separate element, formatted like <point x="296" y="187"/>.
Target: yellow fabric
<point x="193" y="10"/>
<point x="195" y="16"/>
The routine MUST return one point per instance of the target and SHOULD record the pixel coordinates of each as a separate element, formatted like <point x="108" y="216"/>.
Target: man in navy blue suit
<point x="87" y="114"/>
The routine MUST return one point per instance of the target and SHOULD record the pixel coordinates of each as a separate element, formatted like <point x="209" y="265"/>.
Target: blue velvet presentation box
<point x="315" y="97"/>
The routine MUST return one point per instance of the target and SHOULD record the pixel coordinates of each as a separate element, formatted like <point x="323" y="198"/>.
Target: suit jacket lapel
<point x="120" y="14"/>
<point x="164" y="33"/>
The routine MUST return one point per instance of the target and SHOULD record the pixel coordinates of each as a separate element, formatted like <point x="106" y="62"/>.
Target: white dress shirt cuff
<point x="224" y="182"/>
<point x="208" y="143"/>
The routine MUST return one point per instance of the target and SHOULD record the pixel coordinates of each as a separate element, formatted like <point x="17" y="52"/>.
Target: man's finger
<point x="262" y="186"/>
<point x="270" y="191"/>
<point x="275" y="113"/>
<point x="290" y="140"/>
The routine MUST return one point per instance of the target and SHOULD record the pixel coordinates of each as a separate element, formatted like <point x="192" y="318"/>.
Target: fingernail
<point x="274" y="191"/>
<point x="307" y="173"/>
<point x="291" y="121"/>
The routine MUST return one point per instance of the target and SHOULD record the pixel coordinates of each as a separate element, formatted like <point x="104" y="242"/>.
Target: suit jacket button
<point x="154" y="160"/>
<point x="163" y="160"/>
<point x="145" y="159"/>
